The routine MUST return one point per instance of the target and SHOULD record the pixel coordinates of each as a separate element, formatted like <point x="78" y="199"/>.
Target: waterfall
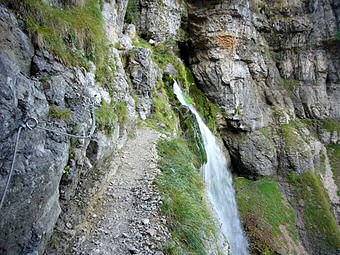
<point x="219" y="189"/>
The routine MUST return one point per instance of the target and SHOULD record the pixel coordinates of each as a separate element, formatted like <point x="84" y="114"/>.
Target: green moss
<point x="208" y="110"/>
<point x="331" y="125"/>
<point x="59" y="112"/>
<point x="290" y="84"/>
<point x="184" y="202"/>
<point x="320" y="224"/>
<point x="191" y="132"/>
<point x="293" y="140"/>
<point x="263" y="210"/>
<point x="333" y="152"/>
<point x="163" y="55"/>
<point x="139" y="42"/>
<point x="132" y="13"/>
<point x="337" y="35"/>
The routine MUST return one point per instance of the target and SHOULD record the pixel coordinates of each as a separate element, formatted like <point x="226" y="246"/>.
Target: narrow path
<point x="127" y="221"/>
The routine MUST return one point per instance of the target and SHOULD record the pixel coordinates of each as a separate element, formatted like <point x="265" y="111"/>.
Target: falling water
<point x="219" y="187"/>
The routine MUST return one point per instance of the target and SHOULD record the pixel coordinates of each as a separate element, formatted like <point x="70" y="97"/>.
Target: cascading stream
<point x="219" y="187"/>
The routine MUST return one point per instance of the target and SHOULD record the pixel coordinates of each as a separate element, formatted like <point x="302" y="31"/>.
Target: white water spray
<point x="219" y="187"/>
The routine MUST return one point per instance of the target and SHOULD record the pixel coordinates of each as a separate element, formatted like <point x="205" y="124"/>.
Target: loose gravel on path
<point x="128" y="221"/>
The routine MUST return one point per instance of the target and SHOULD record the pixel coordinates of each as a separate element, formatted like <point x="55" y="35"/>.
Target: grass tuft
<point x="109" y="115"/>
<point x="59" y="112"/>
<point x="163" y="117"/>
<point x="132" y="13"/>
<point x="73" y="33"/>
<point x="333" y="152"/>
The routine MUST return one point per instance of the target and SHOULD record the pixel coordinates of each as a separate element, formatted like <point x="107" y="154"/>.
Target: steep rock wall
<point x="50" y="166"/>
<point x="266" y="64"/>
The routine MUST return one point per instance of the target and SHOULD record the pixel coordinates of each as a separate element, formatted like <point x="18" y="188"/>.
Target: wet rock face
<point x="266" y="64"/>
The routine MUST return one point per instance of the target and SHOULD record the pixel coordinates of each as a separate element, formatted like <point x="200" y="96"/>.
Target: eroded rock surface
<point x="267" y="64"/>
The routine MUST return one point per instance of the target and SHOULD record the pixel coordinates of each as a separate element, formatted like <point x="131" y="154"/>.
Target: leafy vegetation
<point x="264" y="211"/>
<point x="320" y="224"/>
<point x="59" y="112"/>
<point x="184" y="203"/>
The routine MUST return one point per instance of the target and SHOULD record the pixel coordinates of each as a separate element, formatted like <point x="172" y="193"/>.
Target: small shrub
<point x="59" y="112"/>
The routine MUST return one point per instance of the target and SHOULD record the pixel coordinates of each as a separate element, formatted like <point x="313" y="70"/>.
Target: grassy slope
<point x="184" y="203"/>
<point x="263" y="209"/>
<point x="312" y="200"/>
<point x="333" y="151"/>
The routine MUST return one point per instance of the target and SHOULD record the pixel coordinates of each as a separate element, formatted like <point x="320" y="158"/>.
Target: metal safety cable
<point x="32" y="123"/>
<point x="12" y="166"/>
